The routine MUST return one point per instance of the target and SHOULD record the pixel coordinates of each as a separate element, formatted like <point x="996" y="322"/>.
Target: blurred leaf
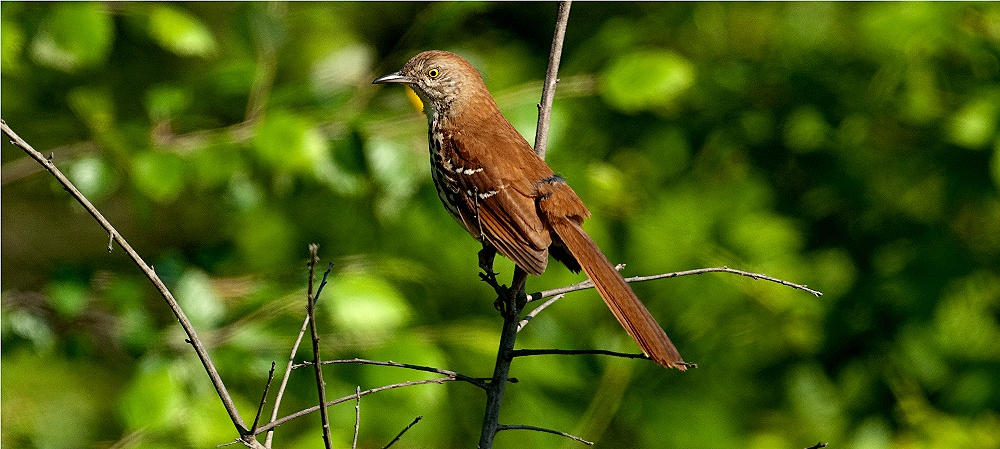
<point x="647" y="80"/>
<point x="197" y="297"/>
<point x="805" y="129"/>
<point x="164" y="102"/>
<point x="11" y="45"/>
<point x="68" y="298"/>
<point x="152" y="400"/>
<point x="974" y="126"/>
<point x="364" y="304"/>
<point x="158" y="175"/>
<point x="93" y="177"/>
<point x="345" y="67"/>
<point x="75" y="35"/>
<point x="94" y="107"/>
<point x="290" y="143"/>
<point x="180" y="32"/>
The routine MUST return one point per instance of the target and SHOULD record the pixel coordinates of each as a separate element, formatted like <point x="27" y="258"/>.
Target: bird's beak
<point x="395" y="77"/>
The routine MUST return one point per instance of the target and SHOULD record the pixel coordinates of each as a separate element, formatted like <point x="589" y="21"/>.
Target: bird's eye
<point x="433" y="73"/>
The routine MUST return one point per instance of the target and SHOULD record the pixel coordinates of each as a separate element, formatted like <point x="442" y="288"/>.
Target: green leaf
<point x="290" y="143"/>
<point x="163" y="102"/>
<point x="158" y="175"/>
<point x="92" y="176"/>
<point x="74" y="36"/>
<point x="68" y="298"/>
<point x="647" y="80"/>
<point x="180" y="32"/>
<point x="806" y="130"/>
<point x="11" y="45"/>
<point x="362" y="303"/>
<point x="94" y="107"/>
<point x="197" y="296"/>
<point x="975" y="124"/>
<point x="151" y="400"/>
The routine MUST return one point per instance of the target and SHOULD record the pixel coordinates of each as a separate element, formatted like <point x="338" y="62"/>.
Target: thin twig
<point x="551" y="78"/>
<point x="626" y="355"/>
<point x="588" y="284"/>
<point x="400" y="435"/>
<point x="192" y="336"/>
<point x="357" y="417"/>
<point x="267" y="427"/>
<point x="542" y="429"/>
<point x="536" y="311"/>
<point x="530" y="352"/>
<point x="817" y="445"/>
<point x="284" y="380"/>
<point x="457" y="376"/>
<point x="318" y="367"/>
<point x="263" y="397"/>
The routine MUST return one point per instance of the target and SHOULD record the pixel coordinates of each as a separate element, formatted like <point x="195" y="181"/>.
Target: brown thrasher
<point x="507" y="197"/>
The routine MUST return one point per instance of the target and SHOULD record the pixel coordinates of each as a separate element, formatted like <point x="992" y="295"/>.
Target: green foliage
<point x="851" y="147"/>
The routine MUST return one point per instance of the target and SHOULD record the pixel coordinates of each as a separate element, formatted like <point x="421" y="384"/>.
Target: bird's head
<point x="442" y="79"/>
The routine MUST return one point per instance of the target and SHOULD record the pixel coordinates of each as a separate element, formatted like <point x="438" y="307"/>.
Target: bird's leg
<point x="486" y="256"/>
<point x="510" y="300"/>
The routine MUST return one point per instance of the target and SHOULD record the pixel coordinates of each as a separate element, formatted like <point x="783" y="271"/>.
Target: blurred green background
<point x="850" y="147"/>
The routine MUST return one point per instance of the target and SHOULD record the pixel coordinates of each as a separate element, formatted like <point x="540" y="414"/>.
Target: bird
<point x="507" y="197"/>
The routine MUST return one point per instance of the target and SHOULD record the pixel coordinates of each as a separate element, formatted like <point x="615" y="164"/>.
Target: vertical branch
<point x="192" y="336"/>
<point x="514" y="300"/>
<point x="516" y="295"/>
<point x="317" y="366"/>
<point x="551" y="78"/>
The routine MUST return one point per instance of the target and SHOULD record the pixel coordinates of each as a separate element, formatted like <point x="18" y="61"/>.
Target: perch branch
<point x="551" y="79"/>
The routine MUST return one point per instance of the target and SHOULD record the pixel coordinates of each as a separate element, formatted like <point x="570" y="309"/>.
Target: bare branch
<point x="271" y="425"/>
<point x="530" y="352"/>
<point x="723" y="269"/>
<point x="537" y="310"/>
<point x="192" y="335"/>
<point x="318" y="367"/>
<point x="551" y="78"/>
<point x="400" y="435"/>
<point x="357" y="417"/>
<point x="542" y="429"/>
<point x="817" y="445"/>
<point x="284" y="380"/>
<point x="263" y="398"/>
<point x="457" y="376"/>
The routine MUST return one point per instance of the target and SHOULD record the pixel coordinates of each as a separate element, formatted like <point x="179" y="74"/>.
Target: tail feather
<point x="617" y="294"/>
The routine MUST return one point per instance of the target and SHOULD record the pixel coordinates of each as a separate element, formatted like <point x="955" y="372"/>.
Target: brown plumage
<point x="503" y="194"/>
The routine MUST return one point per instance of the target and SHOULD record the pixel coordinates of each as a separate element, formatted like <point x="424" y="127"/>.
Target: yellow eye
<point x="433" y="73"/>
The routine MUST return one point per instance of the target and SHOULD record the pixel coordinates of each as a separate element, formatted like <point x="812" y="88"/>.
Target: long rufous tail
<point x="620" y="298"/>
